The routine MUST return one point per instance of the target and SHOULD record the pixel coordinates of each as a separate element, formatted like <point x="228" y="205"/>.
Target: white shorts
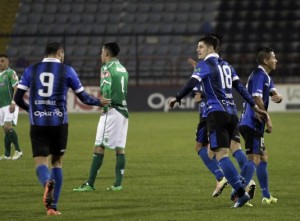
<point x="112" y="130"/>
<point x="6" y="116"/>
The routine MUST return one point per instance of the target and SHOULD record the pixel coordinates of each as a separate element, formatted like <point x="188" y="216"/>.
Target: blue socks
<point x="56" y="174"/>
<point x="240" y="157"/>
<point x="262" y="175"/>
<point x="210" y="164"/>
<point x="248" y="171"/>
<point x="43" y="174"/>
<point x="231" y="175"/>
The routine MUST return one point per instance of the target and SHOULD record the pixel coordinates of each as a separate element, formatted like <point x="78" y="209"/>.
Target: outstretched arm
<point x="183" y="92"/>
<point x="85" y="98"/>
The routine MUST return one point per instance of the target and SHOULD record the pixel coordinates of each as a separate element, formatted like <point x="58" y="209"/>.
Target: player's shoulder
<point x="114" y="66"/>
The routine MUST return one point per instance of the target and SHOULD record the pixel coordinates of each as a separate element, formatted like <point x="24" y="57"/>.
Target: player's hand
<point x="104" y="102"/>
<point x="192" y="62"/>
<point x="277" y="98"/>
<point x="172" y="102"/>
<point x="261" y="115"/>
<point x="269" y="126"/>
<point x="12" y="107"/>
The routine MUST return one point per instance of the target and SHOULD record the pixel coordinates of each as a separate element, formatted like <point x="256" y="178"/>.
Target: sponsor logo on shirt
<point x="105" y="74"/>
<point x="55" y="113"/>
<point x="47" y="102"/>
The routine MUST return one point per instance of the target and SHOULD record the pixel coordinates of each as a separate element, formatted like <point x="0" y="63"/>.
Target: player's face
<point x="271" y="62"/>
<point x="103" y="55"/>
<point x="202" y="50"/>
<point x="3" y="63"/>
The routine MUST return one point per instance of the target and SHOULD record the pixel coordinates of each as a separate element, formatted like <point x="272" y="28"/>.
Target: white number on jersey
<point x="47" y="80"/>
<point x="225" y="75"/>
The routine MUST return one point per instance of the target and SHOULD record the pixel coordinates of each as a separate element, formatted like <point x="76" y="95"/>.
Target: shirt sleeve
<point x="201" y="71"/>
<point x="24" y="83"/>
<point x="105" y="83"/>
<point x="258" y="85"/>
<point x="73" y="81"/>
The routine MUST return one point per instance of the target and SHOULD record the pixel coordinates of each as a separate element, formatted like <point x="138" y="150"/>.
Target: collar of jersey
<point x="261" y="67"/>
<point x="51" y="60"/>
<point x="212" y="55"/>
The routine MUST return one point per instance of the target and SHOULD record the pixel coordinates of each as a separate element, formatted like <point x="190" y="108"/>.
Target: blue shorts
<point x="254" y="141"/>
<point x="222" y="128"/>
<point x="201" y="132"/>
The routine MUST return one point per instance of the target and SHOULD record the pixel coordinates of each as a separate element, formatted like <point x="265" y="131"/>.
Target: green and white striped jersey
<point x="113" y="85"/>
<point x="8" y="79"/>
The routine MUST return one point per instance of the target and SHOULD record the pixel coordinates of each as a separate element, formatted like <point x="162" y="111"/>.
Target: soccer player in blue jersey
<point x="260" y="86"/>
<point x="202" y="143"/>
<point x="218" y="78"/>
<point x="49" y="82"/>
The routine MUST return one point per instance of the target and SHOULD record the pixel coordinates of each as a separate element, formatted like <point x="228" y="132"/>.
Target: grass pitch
<point x="164" y="178"/>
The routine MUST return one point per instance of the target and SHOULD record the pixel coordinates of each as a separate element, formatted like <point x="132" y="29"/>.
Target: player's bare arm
<point x="259" y="102"/>
<point x="12" y="106"/>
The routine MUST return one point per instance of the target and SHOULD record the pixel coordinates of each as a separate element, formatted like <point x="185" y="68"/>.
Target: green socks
<point x="14" y="138"/>
<point x="7" y="144"/>
<point x="96" y="164"/>
<point x="120" y="169"/>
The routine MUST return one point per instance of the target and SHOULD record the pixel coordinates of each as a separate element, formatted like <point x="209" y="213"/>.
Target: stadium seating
<point x="167" y="30"/>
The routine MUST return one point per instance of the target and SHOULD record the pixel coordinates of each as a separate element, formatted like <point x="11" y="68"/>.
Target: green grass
<point x="164" y="178"/>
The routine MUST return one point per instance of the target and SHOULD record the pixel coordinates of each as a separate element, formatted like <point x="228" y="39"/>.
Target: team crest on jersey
<point x="105" y="74"/>
<point x="15" y="76"/>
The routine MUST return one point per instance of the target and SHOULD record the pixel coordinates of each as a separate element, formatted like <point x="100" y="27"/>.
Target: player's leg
<point x="58" y="145"/>
<point x="11" y="119"/>
<point x="98" y="154"/>
<point x="7" y="142"/>
<point x="118" y="138"/>
<point x="41" y="150"/>
<point x="263" y="178"/>
<point x="235" y="146"/>
<point x="220" y="130"/>
<point x="253" y="151"/>
<point x="202" y="150"/>
<point x="238" y="153"/>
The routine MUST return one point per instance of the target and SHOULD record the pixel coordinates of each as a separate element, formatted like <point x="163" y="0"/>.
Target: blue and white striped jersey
<point x="49" y="82"/>
<point x="217" y="77"/>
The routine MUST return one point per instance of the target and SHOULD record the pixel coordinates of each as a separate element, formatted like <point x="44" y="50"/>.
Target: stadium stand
<point x="163" y="33"/>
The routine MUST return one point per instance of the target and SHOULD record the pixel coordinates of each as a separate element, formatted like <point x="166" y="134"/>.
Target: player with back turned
<point x="49" y="82"/>
<point x="218" y="78"/>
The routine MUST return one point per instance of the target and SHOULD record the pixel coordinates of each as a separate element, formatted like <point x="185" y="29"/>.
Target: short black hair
<point x="52" y="48"/>
<point x="263" y="53"/>
<point x="213" y="39"/>
<point x="113" y="48"/>
<point x="3" y="56"/>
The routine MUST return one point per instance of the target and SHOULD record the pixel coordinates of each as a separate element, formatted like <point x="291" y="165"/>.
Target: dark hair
<point x="113" y="48"/>
<point x="3" y="56"/>
<point x="263" y="53"/>
<point x="52" y="48"/>
<point x="213" y="39"/>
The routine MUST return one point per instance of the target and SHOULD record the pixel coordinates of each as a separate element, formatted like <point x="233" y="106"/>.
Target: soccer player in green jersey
<point x="113" y="123"/>
<point x="8" y="109"/>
